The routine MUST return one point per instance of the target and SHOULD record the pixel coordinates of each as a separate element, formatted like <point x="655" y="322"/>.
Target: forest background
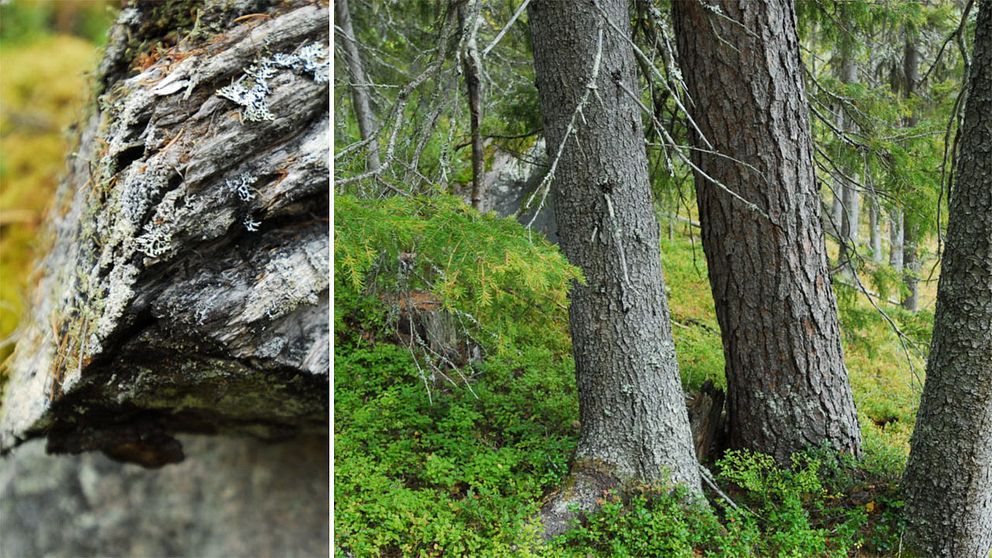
<point x="433" y="457"/>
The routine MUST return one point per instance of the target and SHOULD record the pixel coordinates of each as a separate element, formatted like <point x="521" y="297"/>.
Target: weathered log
<point x="186" y="287"/>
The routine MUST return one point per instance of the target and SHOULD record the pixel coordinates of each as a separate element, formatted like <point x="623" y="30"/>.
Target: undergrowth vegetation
<point x="433" y="463"/>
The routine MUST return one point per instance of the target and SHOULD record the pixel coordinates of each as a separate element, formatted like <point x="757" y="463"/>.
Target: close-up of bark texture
<point x="186" y="287"/>
<point x="183" y="286"/>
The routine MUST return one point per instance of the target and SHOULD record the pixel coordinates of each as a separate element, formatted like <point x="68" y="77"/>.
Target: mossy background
<point x="48" y="51"/>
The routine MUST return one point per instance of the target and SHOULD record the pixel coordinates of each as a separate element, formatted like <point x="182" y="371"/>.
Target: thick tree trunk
<point x="187" y="287"/>
<point x="359" y="82"/>
<point x="948" y="480"/>
<point x="786" y="378"/>
<point x="633" y="415"/>
<point x="911" y="229"/>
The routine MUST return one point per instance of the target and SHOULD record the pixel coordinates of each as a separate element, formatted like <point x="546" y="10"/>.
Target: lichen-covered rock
<point x="186" y="287"/>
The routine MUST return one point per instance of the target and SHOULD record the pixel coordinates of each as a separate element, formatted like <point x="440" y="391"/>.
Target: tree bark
<point x="948" y="479"/>
<point x="895" y="239"/>
<point x="187" y="286"/>
<point x="633" y="414"/>
<point x="360" y="83"/>
<point x="470" y="17"/>
<point x="875" y="227"/>
<point x="787" y="383"/>
<point x="851" y="211"/>
<point x="911" y="229"/>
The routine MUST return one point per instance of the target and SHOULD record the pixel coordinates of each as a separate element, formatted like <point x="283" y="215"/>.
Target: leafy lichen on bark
<point x="155" y="302"/>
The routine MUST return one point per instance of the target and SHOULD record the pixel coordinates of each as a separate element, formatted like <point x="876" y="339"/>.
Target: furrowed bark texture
<point x="633" y="413"/>
<point x="187" y="286"/>
<point x="787" y="383"/>
<point x="948" y="479"/>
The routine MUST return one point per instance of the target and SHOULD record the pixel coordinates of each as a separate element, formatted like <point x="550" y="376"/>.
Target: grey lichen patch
<point x="242" y="186"/>
<point x="287" y="281"/>
<point x="581" y="494"/>
<point x="118" y="294"/>
<point x="251" y="90"/>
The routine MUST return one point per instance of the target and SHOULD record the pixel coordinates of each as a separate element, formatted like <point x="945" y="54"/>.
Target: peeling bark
<point x="186" y="289"/>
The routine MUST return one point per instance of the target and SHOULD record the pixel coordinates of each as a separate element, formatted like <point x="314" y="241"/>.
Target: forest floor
<point x="461" y="468"/>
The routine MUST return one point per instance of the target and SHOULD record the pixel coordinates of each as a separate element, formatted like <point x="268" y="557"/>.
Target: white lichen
<point x="310" y="59"/>
<point x="156" y="240"/>
<point x="118" y="296"/>
<point x="256" y="108"/>
<point x="242" y="186"/>
<point x="289" y="280"/>
<point x="250" y="224"/>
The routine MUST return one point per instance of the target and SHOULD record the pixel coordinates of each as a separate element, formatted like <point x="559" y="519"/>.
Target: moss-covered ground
<point x="426" y="467"/>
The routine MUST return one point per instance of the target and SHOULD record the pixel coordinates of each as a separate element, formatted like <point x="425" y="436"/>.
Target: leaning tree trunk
<point x="470" y="18"/>
<point x="787" y="383"/>
<point x="187" y="286"/>
<point x="359" y="86"/>
<point x="948" y="480"/>
<point x="633" y="415"/>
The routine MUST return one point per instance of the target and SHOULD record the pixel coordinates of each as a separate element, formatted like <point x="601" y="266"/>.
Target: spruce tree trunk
<point x="632" y="410"/>
<point x="787" y="383"/>
<point x="948" y="479"/>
